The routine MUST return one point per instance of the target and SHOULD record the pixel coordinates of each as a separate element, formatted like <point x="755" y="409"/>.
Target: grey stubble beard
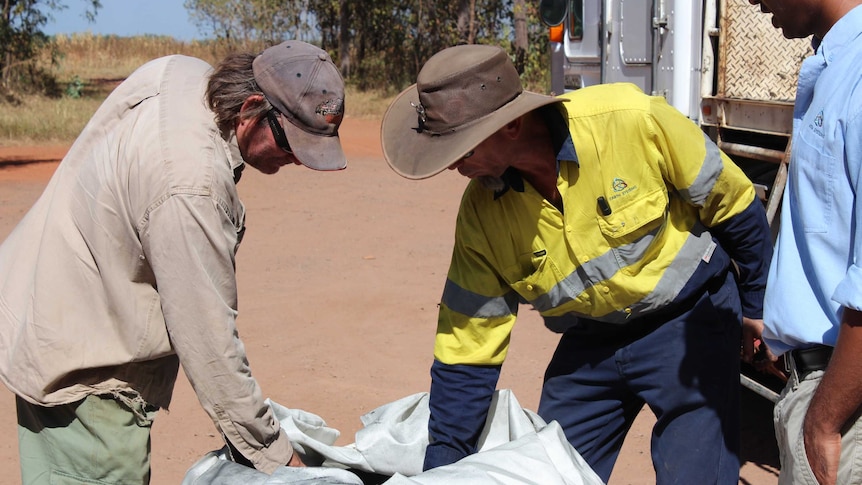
<point x="492" y="183"/>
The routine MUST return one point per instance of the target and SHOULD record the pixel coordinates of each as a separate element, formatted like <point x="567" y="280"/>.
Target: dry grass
<point x="367" y="104"/>
<point x="99" y="63"/>
<point x="93" y="57"/>
<point x="39" y="119"/>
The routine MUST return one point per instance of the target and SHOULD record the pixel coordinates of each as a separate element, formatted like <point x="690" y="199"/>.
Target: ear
<point x="247" y="112"/>
<point x="252" y="102"/>
<point x="512" y="129"/>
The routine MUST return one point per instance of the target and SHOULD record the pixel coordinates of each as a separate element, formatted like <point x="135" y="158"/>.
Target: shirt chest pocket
<point x="630" y="229"/>
<point x="538" y="277"/>
<point x="813" y="175"/>
<point x="543" y="283"/>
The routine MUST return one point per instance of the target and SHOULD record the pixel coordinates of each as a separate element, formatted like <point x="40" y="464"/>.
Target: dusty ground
<point x="339" y="276"/>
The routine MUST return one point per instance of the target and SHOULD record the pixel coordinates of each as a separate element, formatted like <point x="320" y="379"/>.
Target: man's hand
<point x="754" y="350"/>
<point x="295" y="460"/>
<point x="822" y="449"/>
<point x="836" y="402"/>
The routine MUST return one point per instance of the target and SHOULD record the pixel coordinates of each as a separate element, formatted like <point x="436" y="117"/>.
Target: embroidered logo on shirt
<point x="817" y="124"/>
<point x="621" y="188"/>
<point x="818" y="120"/>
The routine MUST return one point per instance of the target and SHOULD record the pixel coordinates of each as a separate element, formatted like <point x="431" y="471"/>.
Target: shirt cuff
<point x="752" y="303"/>
<point x="276" y="454"/>
<point x="847" y="293"/>
<point x="440" y="454"/>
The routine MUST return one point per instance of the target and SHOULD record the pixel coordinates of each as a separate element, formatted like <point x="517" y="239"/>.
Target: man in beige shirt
<point x="125" y="266"/>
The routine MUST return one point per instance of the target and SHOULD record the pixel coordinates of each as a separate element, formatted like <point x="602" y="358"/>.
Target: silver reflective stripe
<point x="472" y="304"/>
<point x="673" y="279"/>
<point x="709" y="173"/>
<point x="683" y="265"/>
<point x="671" y="283"/>
<point x="629" y="254"/>
<point x="598" y="269"/>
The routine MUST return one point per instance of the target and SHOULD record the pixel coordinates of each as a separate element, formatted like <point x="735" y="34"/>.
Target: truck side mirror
<point x="553" y="12"/>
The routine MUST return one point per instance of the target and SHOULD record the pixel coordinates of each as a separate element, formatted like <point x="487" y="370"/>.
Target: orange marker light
<point x="555" y="33"/>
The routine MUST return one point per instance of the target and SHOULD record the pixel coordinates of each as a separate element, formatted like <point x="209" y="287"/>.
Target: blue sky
<point x="126" y="18"/>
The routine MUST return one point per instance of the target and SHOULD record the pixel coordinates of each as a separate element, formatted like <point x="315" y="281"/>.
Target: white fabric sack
<point x="215" y="469"/>
<point x="515" y="446"/>
<point x="394" y="436"/>
<point x="543" y="458"/>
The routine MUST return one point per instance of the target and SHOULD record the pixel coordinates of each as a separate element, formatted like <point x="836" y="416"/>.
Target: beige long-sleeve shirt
<point x="124" y="267"/>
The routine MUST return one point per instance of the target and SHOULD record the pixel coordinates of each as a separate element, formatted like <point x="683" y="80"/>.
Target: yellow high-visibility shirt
<point x="662" y="182"/>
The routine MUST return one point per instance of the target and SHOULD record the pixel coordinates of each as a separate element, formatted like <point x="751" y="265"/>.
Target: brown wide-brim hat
<point x="462" y="95"/>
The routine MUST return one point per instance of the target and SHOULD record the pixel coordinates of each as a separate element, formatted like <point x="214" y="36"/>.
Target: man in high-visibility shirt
<point x="617" y="219"/>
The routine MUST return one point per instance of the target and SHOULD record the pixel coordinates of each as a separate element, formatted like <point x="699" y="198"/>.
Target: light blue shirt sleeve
<point x="849" y="290"/>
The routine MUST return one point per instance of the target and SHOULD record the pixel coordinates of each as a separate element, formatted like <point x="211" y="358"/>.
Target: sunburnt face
<point x="486" y="160"/>
<point x="259" y="148"/>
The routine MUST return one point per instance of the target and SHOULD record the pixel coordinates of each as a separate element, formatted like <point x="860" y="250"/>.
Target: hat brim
<point x="318" y="152"/>
<point x="416" y="155"/>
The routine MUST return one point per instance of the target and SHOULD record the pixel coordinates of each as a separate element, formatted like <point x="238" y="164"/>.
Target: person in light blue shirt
<point x="814" y="289"/>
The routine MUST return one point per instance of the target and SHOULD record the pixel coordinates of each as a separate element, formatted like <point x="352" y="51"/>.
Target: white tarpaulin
<point x="515" y="447"/>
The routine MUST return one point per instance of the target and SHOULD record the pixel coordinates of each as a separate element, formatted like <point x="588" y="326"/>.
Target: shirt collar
<point x="845" y="31"/>
<point x="559" y="129"/>
<point x="234" y="157"/>
<point x="567" y="152"/>
<point x="512" y="178"/>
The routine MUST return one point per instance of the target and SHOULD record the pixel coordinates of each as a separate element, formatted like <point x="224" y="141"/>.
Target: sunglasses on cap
<point x="278" y="130"/>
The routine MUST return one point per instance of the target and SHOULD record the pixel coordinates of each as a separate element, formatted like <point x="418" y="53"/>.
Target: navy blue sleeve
<point x="747" y="239"/>
<point x="459" y="401"/>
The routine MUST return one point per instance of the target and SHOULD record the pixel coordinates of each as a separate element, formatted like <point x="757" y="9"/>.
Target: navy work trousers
<point x="684" y="365"/>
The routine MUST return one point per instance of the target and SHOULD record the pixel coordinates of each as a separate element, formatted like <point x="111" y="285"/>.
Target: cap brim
<point x="319" y="152"/>
<point x="416" y="155"/>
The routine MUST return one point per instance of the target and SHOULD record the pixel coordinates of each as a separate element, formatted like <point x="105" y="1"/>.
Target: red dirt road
<point x="339" y="277"/>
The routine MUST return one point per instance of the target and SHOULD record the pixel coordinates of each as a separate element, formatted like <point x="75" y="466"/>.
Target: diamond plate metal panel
<point x="755" y="60"/>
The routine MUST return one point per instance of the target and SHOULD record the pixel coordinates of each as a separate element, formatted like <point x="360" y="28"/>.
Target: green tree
<point x="22" y="38"/>
<point x="249" y="22"/>
<point x="519" y="19"/>
<point x="386" y="42"/>
<point x="382" y="43"/>
<point x="530" y="49"/>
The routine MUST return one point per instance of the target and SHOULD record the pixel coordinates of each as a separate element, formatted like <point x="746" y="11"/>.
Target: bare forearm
<point x="837" y="399"/>
<point x="839" y="394"/>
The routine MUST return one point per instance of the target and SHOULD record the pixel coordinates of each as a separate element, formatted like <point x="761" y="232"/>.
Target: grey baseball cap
<point x="301" y="81"/>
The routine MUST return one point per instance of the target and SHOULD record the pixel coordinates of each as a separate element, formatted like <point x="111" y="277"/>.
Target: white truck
<point x="720" y="62"/>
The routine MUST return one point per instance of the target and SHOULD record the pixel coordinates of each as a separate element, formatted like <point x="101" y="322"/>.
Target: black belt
<point x="811" y="359"/>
